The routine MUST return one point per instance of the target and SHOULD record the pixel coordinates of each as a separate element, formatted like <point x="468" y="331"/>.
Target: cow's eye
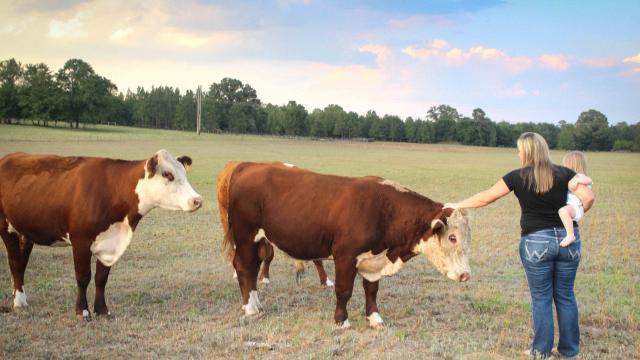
<point x="167" y="175"/>
<point x="452" y="238"/>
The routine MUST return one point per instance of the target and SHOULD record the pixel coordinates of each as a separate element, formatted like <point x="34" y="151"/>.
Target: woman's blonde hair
<point x="535" y="154"/>
<point x="575" y="161"/>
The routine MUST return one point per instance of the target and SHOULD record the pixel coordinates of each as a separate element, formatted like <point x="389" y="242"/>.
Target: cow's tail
<point x="224" y="182"/>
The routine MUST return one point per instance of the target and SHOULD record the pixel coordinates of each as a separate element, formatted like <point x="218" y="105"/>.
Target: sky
<point x="519" y="61"/>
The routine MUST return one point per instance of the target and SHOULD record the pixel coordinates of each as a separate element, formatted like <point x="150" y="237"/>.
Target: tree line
<point x="76" y="94"/>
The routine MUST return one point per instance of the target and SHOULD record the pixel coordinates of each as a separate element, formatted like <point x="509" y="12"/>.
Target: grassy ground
<point x="174" y="295"/>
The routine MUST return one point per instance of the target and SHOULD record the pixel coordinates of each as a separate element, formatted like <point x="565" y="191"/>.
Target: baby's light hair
<point x="575" y="161"/>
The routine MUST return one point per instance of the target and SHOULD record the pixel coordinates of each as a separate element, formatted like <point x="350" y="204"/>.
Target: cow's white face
<point x="165" y="185"/>
<point x="449" y="245"/>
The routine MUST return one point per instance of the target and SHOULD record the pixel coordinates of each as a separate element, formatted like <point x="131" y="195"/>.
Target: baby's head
<point x="575" y="161"/>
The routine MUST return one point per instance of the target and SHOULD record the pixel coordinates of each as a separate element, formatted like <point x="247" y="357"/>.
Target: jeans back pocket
<point x="536" y="250"/>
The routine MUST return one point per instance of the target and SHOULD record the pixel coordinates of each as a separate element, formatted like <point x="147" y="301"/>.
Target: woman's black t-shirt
<point x="540" y="211"/>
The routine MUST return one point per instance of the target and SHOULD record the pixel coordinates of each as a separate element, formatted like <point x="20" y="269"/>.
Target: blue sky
<point x="541" y="61"/>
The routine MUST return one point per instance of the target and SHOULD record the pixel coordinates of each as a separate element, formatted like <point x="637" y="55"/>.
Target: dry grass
<point x="174" y="296"/>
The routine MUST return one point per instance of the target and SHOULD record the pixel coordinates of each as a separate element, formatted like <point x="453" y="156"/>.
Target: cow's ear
<point x="185" y="161"/>
<point x="437" y="226"/>
<point x="152" y="165"/>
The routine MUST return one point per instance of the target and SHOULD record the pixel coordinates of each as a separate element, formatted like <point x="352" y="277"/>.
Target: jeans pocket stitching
<point x="574" y="255"/>
<point x="538" y="255"/>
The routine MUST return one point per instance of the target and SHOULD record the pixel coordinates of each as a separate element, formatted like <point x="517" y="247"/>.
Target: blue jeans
<point x="551" y="273"/>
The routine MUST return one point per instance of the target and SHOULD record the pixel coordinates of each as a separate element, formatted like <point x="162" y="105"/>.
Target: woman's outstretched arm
<point x="483" y="198"/>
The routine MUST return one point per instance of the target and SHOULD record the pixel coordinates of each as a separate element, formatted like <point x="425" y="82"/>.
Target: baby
<point x="573" y="211"/>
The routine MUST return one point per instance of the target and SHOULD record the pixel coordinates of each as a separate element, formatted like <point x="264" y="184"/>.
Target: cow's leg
<point x="247" y="265"/>
<point x="345" y="274"/>
<point x="82" y="263"/>
<point x="300" y="269"/>
<point x="371" y="308"/>
<point x="322" y="274"/>
<point x="102" y="275"/>
<point x="18" y="252"/>
<point x="265" y="252"/>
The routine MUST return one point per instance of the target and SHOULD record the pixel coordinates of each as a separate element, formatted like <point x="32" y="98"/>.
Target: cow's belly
<point x="40" y="236"/>
<point x="373" y="267"/>
<point x="302" y="248"/>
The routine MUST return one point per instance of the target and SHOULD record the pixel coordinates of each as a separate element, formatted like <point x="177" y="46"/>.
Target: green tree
<point x="410" y="130"/>
<point x="275" y="119"/>
<point x="10" y="76"/>
<point x="295" y="119"/>
<point x="222" y="97"/>
<point x="86" y="94"/>
<point x="444" y="118"/>
<point x="592" y="131"/>
<point x="38" y="93"/>
<point x="566" y="137"/>
<point x="379" y="129"/>
<point x="396" y="127"/>
<point x="186" y="112"/>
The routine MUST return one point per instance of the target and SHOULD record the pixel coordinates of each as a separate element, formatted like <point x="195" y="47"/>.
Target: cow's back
<point x="47" y="196"/>
<point x="302" y="212"/>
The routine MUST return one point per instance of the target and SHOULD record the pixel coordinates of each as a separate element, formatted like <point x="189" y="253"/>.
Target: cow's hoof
<point x="375" y="321"/>
<point x="328" y="284"/>
<point x="86" y="316"/>
<point x="108" y="316"/>
<point x="343" y="325"/>
<point x="19" y="299"/>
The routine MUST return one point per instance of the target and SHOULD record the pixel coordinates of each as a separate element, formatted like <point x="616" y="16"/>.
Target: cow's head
<point x="447" y="244"/>
<point x="165" y="184"/>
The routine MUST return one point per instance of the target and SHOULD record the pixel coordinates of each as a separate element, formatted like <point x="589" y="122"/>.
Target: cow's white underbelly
<point x="111" y="244"/>
<point x="373" y="267"/>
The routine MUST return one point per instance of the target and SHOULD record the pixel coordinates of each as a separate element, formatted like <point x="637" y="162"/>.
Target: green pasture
<point x="174" y="296"/>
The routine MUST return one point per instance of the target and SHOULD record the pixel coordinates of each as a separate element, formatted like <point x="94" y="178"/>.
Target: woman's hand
<point x="482" y="198"/>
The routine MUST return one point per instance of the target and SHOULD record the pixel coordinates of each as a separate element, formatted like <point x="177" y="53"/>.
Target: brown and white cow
<point x="92" y="204"/>
<point x="265" y="249"/>
<point x="367" y="225"/>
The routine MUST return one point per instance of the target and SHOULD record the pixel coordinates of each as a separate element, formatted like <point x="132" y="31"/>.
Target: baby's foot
<point x="568" y="240"/>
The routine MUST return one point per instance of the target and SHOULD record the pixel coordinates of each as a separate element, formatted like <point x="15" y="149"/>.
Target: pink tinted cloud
<point x="456" y="56"/>
<point x="382" y="53"/>
<point x="600" y="62"/>
<point x="554" y="62"/>
<point x="426" y="52"/>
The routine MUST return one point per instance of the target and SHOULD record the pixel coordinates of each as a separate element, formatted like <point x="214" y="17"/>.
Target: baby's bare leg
<point x="567" y="213"/>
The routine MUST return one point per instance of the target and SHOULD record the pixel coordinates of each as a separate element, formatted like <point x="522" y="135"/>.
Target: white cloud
<point x="518" y="90"/>
<point x="180" y="38"/>
<point x="120" y="34"/>
<point x="69" y="29"/>
<point x="632" y="59"/>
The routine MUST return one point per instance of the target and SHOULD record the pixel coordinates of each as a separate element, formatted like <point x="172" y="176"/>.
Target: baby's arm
<point x="579" y="179"/>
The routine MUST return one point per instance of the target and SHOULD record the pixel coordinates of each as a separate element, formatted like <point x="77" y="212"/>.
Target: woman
<point x="541" y="188"/>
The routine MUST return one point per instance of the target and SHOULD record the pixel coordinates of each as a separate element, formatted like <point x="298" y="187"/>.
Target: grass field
<point x="174" y="296"/>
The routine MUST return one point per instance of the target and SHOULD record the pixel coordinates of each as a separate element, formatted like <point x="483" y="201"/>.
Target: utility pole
<point x="199" y="110"/>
